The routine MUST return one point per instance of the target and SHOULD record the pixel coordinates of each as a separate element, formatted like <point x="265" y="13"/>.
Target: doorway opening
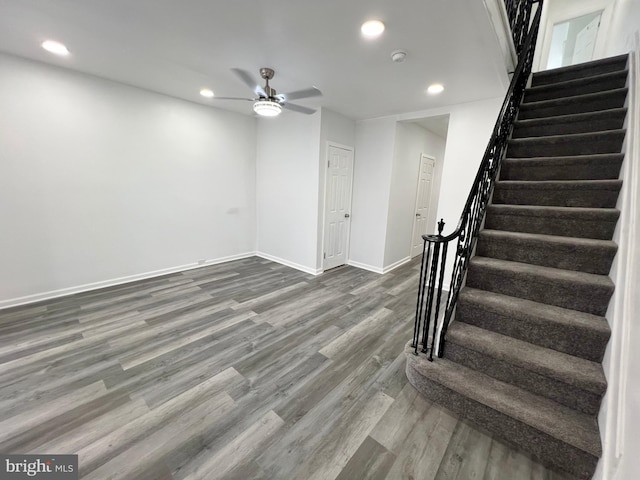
<point x="573" y="41"/>
<point x="426" y="160"/>
<point x="423" y="202"/>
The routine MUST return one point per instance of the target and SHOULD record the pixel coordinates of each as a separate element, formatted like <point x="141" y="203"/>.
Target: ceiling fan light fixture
<point x="267" y="108"/>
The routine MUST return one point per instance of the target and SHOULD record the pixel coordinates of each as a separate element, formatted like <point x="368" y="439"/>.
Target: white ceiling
<point x="177" y="47"/>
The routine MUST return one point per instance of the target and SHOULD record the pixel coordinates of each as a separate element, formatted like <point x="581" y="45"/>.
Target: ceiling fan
<point x="268" y="102"/>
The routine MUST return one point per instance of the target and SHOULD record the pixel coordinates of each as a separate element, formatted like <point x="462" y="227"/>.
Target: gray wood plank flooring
<point x="244" y="370"/>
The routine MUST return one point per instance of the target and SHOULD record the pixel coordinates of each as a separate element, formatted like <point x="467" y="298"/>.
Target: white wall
<point x="620" y="414"/>
<point x="101" y="182"/>
<point x="380" y="197"/>
<point x="470" y="127"/>
<point x="411" y="141"/>
<point x="340" y="130"/>
<point x="287" y="179"/>
<point x="624" y="28"/>
<point x="500" y="20"/>
<point x="371" y="189"/>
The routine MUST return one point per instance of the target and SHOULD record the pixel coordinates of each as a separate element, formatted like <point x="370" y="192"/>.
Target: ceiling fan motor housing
<point x="267" y="73"/>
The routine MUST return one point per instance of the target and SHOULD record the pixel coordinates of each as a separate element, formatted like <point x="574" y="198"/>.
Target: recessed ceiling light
<point x="435" y="88"/>
<point x="55" y="47"/>
<point x="372" y="28"/>
<point x="206" y="92"/>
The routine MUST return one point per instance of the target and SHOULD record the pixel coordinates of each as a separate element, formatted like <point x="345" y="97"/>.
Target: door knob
<point x="346" y="215"/>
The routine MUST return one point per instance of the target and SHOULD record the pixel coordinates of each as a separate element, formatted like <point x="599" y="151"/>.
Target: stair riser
<point x="597" y="198"/>
<point x="550" y="92"/>
<point x="525" y="130"/>
<point x="560" y="292"/>
<point x="596" y="229"/>
<point x="570" y="107"/>
<point x="588" y="170"/>
<point x="546" y="78"/>
<point x="566" y="257"/>
<point x="568" y="395"/>
<point x="566" y="146"/>
<point x="548" y="449"/>
<point x="538" y="331"/>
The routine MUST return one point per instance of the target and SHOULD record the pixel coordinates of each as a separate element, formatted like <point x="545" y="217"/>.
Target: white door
<point x="423" y="200"/>
<point x="337" y="206"/>
<point x="585" y="42"/>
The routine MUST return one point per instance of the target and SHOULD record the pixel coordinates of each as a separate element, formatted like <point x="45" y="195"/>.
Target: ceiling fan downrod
<point x="267" y="74"/>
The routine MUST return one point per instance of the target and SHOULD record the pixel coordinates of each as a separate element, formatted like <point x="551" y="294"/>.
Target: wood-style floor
<point x="245" y="370"/>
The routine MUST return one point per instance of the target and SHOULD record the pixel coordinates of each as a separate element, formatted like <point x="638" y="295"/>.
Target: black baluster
<point x="425" y="286"/>
<point x="416" y="326"/>
<point x="430" y="292"/>
<point x="439" y="296"/>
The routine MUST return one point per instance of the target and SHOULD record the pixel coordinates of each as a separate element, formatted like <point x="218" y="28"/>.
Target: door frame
<point x="415" y="205"/>
<point x="577" y="10"/>
<point x="351" y="149"/>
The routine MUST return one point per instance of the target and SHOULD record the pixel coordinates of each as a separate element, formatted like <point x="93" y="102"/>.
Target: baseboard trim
<point x="63" y="292"/>
<point x="396" y="264"/>
<point x="289" y="263"/>
<point x="379" y="270"/>
<point x="364" y="266"/>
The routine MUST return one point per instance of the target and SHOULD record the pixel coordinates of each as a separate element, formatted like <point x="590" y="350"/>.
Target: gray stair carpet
<point x="523" y="354"/>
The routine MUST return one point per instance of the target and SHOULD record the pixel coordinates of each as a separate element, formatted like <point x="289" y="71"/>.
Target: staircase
<point x="523" y="356"/>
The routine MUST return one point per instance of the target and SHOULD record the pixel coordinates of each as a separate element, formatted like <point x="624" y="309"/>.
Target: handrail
<point x="519" y="14"/>
<point x="434" y="252"/>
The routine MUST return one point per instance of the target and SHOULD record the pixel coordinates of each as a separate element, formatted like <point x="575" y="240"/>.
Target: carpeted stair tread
<point x="545" y="325"/>
<point x="597" y="223"/>
<point x="587" y="69"/>
<point x="576" y="167"/>
<point x="585" y="292"/>
<point x="561" y="193"/>
<point x="559" y="212"/>
<point x="549" y="417"/>
<point x="611" y="119"/>
<point x="590" y="143"/>
<point x="522" y="356"/>
<point x="589" y="102"/>
<point x="577" y="86"/>
<point x="561" y="184"/>
<point x="569" y="253"/>
<point x="575" y="371"/>
<point x="523" y="376"/>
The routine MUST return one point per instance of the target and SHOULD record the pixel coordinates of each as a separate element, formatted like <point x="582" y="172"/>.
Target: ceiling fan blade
<point x="248" y="79"/>
<point x="305" y="93"/>
<point x="234" y="98"/>
<point x="298" y="108"/>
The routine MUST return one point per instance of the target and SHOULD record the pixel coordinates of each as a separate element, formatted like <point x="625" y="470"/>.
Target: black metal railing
<point x="519" y="14"/>
<point x="429" y="329"/>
